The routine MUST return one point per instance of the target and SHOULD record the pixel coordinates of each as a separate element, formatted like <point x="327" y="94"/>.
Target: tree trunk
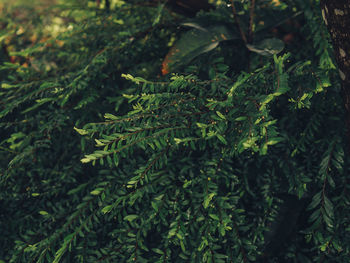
<point x="336" y="15"/>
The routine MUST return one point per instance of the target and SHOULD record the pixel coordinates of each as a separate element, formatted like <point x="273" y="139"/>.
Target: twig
<point x="238" y="22"/>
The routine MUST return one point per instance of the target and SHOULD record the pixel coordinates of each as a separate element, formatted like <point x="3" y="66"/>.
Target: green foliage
<point x="232" y="157"/>
<point x="195" y="42"/>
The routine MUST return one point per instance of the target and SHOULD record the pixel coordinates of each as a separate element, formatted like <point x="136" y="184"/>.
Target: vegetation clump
<point x="137" y="131"/>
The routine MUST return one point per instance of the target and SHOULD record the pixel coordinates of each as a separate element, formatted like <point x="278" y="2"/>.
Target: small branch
<point x="234" y="10"/>
<point x="154" y="161"/>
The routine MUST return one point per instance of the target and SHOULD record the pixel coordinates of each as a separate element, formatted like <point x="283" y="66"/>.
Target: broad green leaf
<point x="110" y="116"/>
<point x="86" y="160"/>
<point x="130" y="217"/>
<point x="158" y="251"/>
<point x="194" y="43"/>
<point x="207" y="200"/>
<point x="215" y="217"/>
<point x="96" y="191"/>
<point x="315" y="201"/>
<point x="221" y="138"/>
<point x="222" y="116"/>
<point x="107" y="209"/>
<point x="44" y="213"/>
<point x="243" y="118"/>
<point x="267" y="47"/>
<point x="81" y="131"/>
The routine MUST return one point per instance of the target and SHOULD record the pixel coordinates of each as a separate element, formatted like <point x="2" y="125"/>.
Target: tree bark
<point x="336" y="16"/>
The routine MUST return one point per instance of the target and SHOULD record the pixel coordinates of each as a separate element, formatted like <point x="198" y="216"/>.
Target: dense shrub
<point x="133" y="133"/>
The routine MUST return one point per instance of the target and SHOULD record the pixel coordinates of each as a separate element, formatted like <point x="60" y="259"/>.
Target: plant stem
<point x="251" y="21"/>
<point x="235" y="15"/>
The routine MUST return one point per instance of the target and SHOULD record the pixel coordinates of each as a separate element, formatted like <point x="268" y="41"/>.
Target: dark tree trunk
<point x="336" y="15"/>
